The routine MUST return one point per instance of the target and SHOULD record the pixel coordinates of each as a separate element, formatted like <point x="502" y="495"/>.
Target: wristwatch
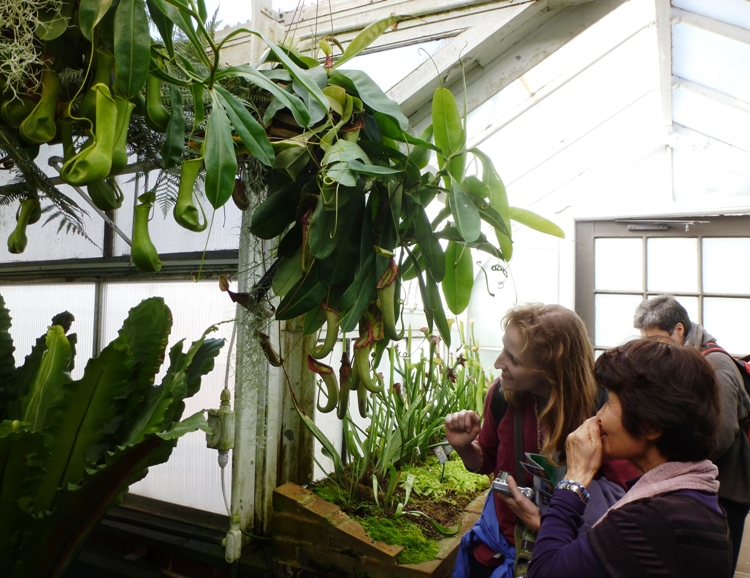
<point x="578" y="489"/>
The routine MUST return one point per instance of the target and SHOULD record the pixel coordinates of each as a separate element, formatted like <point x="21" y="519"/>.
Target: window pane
<point x="719" y="274"/>
<point x="614" y="319"/>
<point x="192" y="476"/>
<point x="32" y="308"/>
<point x="672" y="265"/>
<point x="725" y="319"/>
<point x="618" y="264"/>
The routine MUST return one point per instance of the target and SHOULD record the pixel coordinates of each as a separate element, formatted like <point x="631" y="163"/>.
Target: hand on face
<point x="583" y="450"/>
<point x="461" y="428"/>
<point x="525" y="509"/>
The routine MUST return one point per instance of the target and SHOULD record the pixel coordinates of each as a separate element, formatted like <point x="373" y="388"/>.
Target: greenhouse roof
<point x="597" y="106"/>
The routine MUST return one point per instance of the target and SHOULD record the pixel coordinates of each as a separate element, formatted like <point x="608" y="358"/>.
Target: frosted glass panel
<point x="191" y="477"/>
<point x="614" y="319"/>
<point x="719" y="276"/>
<point x="618" y="264"/>
<point x="726" y="319"/>
<point x="672" y="265"/>
<point x="168" y="236"/>
<point x="691" y="305"/>
<point x="32" y="308"/>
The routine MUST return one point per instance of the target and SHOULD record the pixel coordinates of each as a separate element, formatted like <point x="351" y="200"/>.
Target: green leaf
<point x="372" y="170"/>
<point x="174" y="141"/>
<point x="292" y="160"/>
<point x="182" y="20"/>
<point x="304" y="296"/>
<point x="466" y="214"/>
<point x="253" y="135"/>
<point x="420" y="154"/>
<point x="536" y="222"/>
<point x="90" y="13"/>
<point x="89" y="405"/>
<point x="7" y="361"/>
<point x="163" y="24"/>
<point x="368" y="35"/>
<point x="359" y="295"/>
<point x="358" y="82"/>
<point x="132" y="47"/>
<point x="448" y="131"/>
<point x="22" y="458"/>
<point x="498" y="201"/>
<point x="276" y="212"/>
<point x="288" y="273"/>
<point x="340" y="267"/>
<point x="344" y="151"/>
<point x="431" y="250"/>
<point x="195" y="422"/>
<point x="436" y="307"/>
<point x="459" y="277"/>
<point x="46" y="391"/>
<point x="221" y="162"/>
<point x="293" y="103"/>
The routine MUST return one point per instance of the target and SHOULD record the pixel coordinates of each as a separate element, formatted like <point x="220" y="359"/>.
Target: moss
<point x="434" y="482"/>
<point x="400" y="532"/>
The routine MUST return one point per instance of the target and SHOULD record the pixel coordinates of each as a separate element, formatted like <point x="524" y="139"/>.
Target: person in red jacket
<point x="547" y="380"/>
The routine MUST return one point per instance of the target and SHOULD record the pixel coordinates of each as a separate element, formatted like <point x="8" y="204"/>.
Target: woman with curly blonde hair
<point x="547" y="383"/>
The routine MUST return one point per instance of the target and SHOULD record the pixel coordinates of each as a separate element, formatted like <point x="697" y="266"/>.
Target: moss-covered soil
<point x="438" y="495"/>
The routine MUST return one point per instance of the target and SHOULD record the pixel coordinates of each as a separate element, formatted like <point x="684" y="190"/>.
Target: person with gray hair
<point x="663" y="318"/>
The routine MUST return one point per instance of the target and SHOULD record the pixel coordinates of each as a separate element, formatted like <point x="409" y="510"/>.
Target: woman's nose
<point x="499" y="362"/>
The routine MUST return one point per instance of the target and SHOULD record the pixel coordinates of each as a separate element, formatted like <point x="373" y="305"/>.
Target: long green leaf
<point x="431" y="250"/>
<point x="359" y="295"/>
<point x="132" y="46"/>
<point x="293" y="103"/>
<point x="174" y="141"/>
<point x="358" y="82"/>
<point x="536" y="222"/>
<point x="22" y="458"/>
<point x="368" y="35"/>
<point x="46" y="391"/>
<point x="163" y="24"/>
<point x="448" y="131"/>
<point x="303" y="297"/>
<point x="182" y="20"/>
<point x="221" y="162"/>
<point x="7" y="361"/>
<point x="253" y="135"/>
<point x="459" y="277"/>
<point x="90" y="13"/>
<point x="436" y="306"/>
<point x="498" y="201"/>
<point x="466" y="214"/>
<point x="88" y="406"/>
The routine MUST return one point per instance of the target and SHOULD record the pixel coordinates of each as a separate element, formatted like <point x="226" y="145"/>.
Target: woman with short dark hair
<point x="662" y="416"/>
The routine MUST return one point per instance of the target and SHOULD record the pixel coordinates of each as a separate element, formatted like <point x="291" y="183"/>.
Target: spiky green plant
<point x="69" y="449"/>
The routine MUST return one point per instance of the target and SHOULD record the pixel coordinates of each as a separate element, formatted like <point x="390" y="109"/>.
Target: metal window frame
<point x="587" y="231"/>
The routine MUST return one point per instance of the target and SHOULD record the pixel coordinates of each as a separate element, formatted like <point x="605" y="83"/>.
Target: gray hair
<point x="662" y="311"/>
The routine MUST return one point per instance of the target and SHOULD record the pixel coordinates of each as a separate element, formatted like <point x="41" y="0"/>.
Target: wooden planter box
<point x="314" y="538"/>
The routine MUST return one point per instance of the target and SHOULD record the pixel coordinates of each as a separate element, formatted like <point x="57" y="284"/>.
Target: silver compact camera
<point x="500" y="484"/>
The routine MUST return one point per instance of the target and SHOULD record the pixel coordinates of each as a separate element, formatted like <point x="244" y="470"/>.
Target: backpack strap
<point x="498" y="403"/>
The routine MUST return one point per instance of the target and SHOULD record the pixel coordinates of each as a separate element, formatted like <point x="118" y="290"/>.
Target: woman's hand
<point x="525" y="509"/>
<point x="583" y="450"/>
<point x="461" y="428"/>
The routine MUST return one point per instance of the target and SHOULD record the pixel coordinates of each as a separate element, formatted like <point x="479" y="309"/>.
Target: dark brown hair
<point x="665" y="388"/>
<point x="555" y="344"/>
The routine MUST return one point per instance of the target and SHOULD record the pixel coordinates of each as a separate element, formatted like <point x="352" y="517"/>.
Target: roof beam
<point x="710" y="149"/>
<point x="716" y="95"/>
<point x="630" y="23"/>
<point x="499" y="58"/>
<point x="710" y="25"/>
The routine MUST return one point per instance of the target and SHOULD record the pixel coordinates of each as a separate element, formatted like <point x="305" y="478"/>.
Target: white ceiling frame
<point x="496" y="65"/>
<point x="662" y="17"/>
<point x="572" y="140"/>
<point x="711" y="150"/>
<point x="716" y="95"/>
<point x="710" y="25"/>
<point x="349" y="18"/>
<point x="614" y="40"/>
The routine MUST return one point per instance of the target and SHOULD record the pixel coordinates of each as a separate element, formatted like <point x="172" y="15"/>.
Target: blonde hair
<point x="555" y="344"/>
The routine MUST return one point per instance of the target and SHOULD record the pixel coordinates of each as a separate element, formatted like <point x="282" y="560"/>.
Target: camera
<point x="500" y="484"/>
